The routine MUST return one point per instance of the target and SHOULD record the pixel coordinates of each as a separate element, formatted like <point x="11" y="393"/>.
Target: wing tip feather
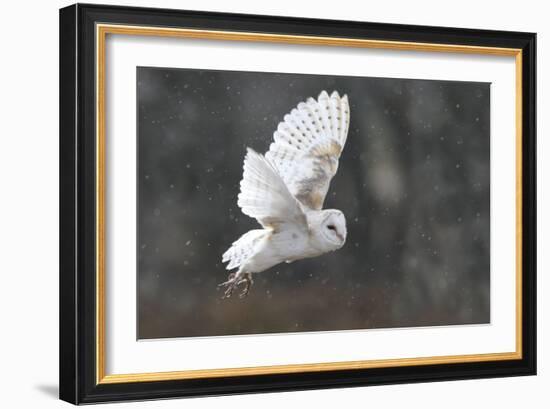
<point x="325" y="95"/>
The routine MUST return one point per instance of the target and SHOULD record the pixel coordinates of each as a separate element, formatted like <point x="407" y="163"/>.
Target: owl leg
<point x="230" y="285"/>
<point x="233" y="281"/>
<point x="248" y="283"/>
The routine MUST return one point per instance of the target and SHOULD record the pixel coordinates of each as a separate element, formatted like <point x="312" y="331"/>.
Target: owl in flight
<point x="285" y="190"/>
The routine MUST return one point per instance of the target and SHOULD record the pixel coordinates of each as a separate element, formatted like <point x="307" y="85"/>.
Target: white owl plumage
<point x="285" y="190"/>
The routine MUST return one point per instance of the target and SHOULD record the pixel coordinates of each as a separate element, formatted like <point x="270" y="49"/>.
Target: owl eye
<point x="331" y="227"/>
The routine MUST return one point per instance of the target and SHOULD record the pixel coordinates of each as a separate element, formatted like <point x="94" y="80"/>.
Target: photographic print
<point x="277" y="203"/>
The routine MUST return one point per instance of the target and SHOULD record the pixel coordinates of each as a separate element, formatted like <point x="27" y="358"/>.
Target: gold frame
<point x="102" y="30"/>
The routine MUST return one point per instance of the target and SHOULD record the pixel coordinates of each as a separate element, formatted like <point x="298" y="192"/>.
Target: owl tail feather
<point x="244" y="248"/>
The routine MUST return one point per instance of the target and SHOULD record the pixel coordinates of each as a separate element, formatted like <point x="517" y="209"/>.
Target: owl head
<point x="330" y="229"/>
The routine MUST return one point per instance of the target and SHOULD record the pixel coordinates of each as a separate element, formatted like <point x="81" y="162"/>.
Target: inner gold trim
<point x="101" y="32"/>
<point x="285" y="369"/>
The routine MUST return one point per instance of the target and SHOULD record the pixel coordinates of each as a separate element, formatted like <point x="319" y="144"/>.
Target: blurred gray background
<point x="413" y="183"/>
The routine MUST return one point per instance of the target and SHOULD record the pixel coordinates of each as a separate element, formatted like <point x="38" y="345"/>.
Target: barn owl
<point x="285" y="190"/>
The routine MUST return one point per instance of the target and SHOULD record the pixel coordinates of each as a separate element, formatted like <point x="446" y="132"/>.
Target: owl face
<point x="333" y="228"/>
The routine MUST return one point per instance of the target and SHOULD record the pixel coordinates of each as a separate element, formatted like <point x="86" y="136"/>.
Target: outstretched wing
<point x="264" y="195"/>
<point x="308" y="144"/>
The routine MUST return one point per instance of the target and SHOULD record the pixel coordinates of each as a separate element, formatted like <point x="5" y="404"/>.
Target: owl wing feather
<point x="265" y="196"/>
<point x="307" y="146"/>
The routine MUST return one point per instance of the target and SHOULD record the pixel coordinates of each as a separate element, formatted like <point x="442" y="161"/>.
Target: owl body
<point x="285" y="190"/>
<point x="274" y="248"/>
<point x="259" y="250"/>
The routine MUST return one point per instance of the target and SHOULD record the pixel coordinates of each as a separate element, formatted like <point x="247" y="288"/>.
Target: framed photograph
<point x="254" y="203"/>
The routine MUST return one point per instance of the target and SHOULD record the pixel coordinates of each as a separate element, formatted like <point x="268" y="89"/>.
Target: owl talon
<point x="230" y="279"/>
<point x="231" y="284"/>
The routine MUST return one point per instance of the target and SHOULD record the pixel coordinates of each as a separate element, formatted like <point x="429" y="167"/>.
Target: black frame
<point x="78" y="210"/>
